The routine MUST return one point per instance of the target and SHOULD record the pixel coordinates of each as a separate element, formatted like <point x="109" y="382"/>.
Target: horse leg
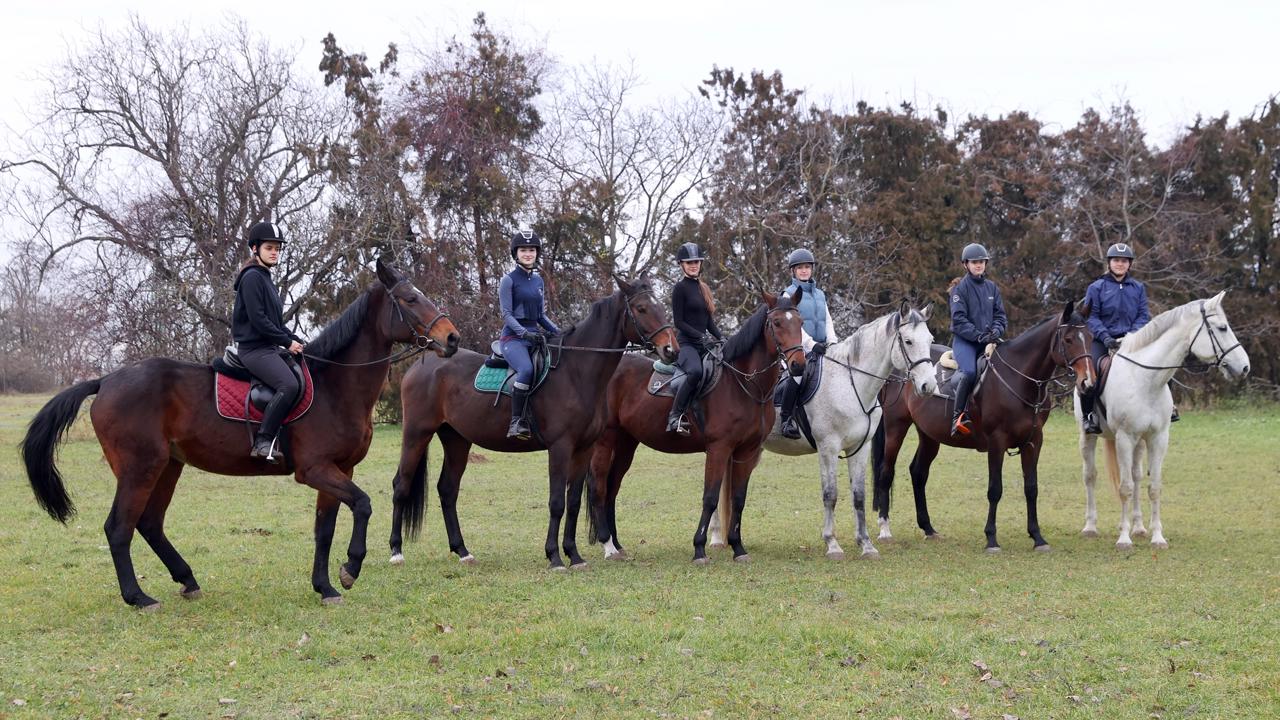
<point x="714" y="472"/>
<point x="577" y="477"/>
<point x="559" y="466"/>
<point x="893" y="435"/>
<point x="326" y="520"/>
<point x="857" y="488"/>
<point x="133" y="492"/>
<point x="919" y="469"/>
<point x="995" y="488"/>
<point x="413" y="459"/>
<point x="1088" y="453"/>
<point x="1139" y="530"/>
<point x="1125" y="446"/>
<point x="151" y="527"/>
<point x="624" y="452"/>
<point x="1157" y="446"/>
<point x="739" y="473"/>
<point x="454" y="464"/>
<point x="1031" y="490"/>
<point x="828" y="473"/>
<point x="717" y="533"/>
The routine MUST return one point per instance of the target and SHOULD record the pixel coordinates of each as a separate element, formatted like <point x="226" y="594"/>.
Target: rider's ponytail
<point x="706" y="297"/>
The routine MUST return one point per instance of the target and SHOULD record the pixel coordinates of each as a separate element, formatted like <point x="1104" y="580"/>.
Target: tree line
<point x="127" y="203"/>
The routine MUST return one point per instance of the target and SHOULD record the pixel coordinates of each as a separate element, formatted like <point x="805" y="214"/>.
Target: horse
<point x="157" y="416"/>
<point x="738" y="417"/>
<point x="1011" y="402"/>
<point x="844" y="413"/>
<point x="439" y="398"/>
<point x="1137" y="406"/>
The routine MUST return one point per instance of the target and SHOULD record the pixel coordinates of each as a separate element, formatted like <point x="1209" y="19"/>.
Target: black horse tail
<point x="877" y="458"/>
<point x="589" y="492"/>
<point x="44" y="434"/>
<point x="411" y="509"/>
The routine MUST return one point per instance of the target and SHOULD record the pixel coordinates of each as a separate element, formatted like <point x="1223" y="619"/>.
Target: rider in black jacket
<point x="693" y="314"/>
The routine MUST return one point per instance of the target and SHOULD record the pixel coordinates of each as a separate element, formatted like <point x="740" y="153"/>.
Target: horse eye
<point x="642" y="310"/>
<point x="412" y="300"/>
<point x="909" y="342"/>
<point x="1222" y="328"/>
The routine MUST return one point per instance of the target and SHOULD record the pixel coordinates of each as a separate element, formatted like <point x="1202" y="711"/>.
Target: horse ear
<point x="769" y="299"/>
<point x="625" y="286"/>
<point x="387" y="273"/>
<point x="1084" y="308"/>
<point x="795" y="296"/>
<point x="892" y="326"/>
<point x="1215" y="302"/>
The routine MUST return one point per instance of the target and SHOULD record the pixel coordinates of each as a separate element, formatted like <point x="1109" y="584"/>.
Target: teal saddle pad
<point x="495" y="380"/>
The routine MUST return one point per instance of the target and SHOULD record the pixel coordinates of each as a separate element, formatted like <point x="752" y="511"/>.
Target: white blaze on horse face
<point x="788" y="315"/>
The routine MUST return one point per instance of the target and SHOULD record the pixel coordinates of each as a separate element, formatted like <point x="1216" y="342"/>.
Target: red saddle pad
<point x="229" y="395"/>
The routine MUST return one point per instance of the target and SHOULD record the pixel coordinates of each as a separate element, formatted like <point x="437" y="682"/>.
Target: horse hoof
<point x="1124" y="546"/>
<point x="1089" y="533"/>
<point x="559" y="569"/>
<point x="578" y="566"/>
<point x="335" y="600"/>
<point x="468" y="559"/>
<point x="347" y="579"/>
<point x="618" y="556"/>
<point x="884" y="537"/>
<point x="835" y="555"/>
<point x="1043" y="548"/>
<point x="1160" y="545"/>
<point x="153" y="607"/>
<point x="871" y="554"/>
<point x="933" y="536"/>
<point x="397" y="559"/>
<point x="702" y="561"/>
<point x="191" y="594"/>
<point x="743" y="558"/>
<point x="994" y="550"/>
<point x="715" y="545"/>
<point x="1140" y="532"/>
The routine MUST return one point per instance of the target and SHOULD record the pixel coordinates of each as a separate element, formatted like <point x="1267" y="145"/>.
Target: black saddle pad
<point x="946" y="377"/>
<point x="809" y="382"/>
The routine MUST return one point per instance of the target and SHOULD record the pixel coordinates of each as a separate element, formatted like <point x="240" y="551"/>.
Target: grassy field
<point x="933" y="630"/>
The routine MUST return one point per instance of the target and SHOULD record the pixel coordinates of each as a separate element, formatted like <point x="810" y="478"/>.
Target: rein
<point x="421" y="341"/>
<point x="1219" y="355"/>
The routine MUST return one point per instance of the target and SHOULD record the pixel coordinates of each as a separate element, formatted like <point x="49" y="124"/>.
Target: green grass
<point x="1082" y="632"/>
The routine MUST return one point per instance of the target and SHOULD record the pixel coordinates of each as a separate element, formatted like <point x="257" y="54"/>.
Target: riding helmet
<point x="800" y="256"/>
<point x="1120" y="250"/>
<point x="689" y="252"/>
<point x="525" y="237"/>
<point x="974" y="251"/>
<point x="264" y="231"/>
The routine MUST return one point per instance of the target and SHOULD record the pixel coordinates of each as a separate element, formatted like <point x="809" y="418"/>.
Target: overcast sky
<point x="1171" y="60"/>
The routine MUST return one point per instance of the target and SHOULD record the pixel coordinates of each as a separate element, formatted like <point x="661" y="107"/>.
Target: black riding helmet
<point x="689" y="252"/>
<point x="525" y="238"/>
<point x="1120" y="250"/>
<point x="974" y="251"/>
<point x="264" y="231"/>
<point x="800" y="256"/>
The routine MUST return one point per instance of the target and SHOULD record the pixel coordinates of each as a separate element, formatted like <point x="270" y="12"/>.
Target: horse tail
<point x="411" y="509"/>
<point x="44" y="434"/>
<point x="877" y="457"/>
<point x="725" y="506"/>
<point x="589" y="495"/>
<point x="1113" y="464"/>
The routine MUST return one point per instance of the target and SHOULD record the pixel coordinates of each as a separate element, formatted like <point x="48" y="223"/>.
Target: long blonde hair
<point x="706" y="297"/>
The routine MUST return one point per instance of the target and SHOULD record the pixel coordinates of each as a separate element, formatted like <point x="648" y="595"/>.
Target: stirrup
<point x="790" y="430"/>
<point x="518" y="429"/>
<point x="1175" y="417"/>
<point x="1091" y="426"/>
<point x="960" y="425"/>
<point x="265" y="450"/>
<point x="677" y="424"/>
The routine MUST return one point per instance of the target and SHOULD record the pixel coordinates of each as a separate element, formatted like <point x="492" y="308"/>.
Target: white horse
<point x="1138" y="404"/>
<point x="843" y="415"/>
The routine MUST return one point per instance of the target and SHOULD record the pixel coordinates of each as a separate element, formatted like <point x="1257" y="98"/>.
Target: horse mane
<point x="741" y="342"/>
<point x="340" y="333"/>
<point x="598" y="311"/>
<point x="1157" y="327"/>
<point x="845" y="350"/>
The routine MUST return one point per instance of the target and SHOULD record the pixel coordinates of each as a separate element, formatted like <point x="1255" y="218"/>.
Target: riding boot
<point x="960" y="424"/>
<point x="519" y="428"/>
<point x="264" y="448"/>
<point x="1091" y="426"/>
<point x="790" y="392"/>
<point x="1175" y="417"/>
<point x="272" y="418"/>
<point x="675" y="420"/>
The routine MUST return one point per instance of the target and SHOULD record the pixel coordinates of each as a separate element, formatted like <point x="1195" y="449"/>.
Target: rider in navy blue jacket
<point x="977" y="318"/>
<point x="523" y="313"/>
<point x="1117" y="307"/>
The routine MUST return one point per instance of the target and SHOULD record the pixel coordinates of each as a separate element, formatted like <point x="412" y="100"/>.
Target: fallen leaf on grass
<point x="226" y="701"/>
<point x="444" y="628"/>
<point x="961" y="713"/>
<point x="303" y="640"/>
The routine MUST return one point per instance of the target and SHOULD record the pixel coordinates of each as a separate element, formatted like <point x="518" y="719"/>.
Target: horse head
<point x="415" y="318"/>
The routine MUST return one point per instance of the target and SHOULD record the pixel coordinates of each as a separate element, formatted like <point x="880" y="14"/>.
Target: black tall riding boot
<point x="959" y="421"/>
<point x="675" y="420"/>
<point x="790" y="393"/>
<point x="272" y="418"/>
<point x="1087" y="402"/>
<point x="519" y="428"/>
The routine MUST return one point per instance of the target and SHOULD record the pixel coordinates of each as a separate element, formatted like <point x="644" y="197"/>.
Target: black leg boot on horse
<point x="791" y="393"/>
<point x="960" y="424"/>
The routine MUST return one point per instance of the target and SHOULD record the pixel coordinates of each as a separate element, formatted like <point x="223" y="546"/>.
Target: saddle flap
<point x="231" y="390"/>
<point x="663" y="384"/>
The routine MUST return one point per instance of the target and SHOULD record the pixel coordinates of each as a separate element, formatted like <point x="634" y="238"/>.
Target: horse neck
<point x="759" y="359"/>
<point x="1031" y="353"/>
<point x="604" y="331"/>
<point x="1166" y="350"/>
<point x="369" y="352"/>
<point x="871" y="356"/>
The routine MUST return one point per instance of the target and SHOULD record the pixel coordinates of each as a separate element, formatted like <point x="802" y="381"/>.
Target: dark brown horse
<point x="1008" y="410"/>
<point x="154" y="417"/>
<point x="439" y="398"/>
<point x="738" y="416"/>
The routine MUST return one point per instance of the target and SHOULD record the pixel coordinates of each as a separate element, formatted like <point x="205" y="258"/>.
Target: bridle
<point x="421" y="341"/>
<point x="1219" y="355"/>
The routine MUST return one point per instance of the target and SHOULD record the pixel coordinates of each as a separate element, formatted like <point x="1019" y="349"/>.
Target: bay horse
<point x="439" y="398"/>
<point x="1137" y="406"/>
<point x="1011" y="406"/>
<point x="738" y="416"/>
<point x="157" y="416"/>
<point x="844" y="411"/>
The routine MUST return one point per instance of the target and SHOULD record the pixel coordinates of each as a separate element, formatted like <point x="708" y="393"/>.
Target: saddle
<point x="810" y="381"/>
<point x="241" y="397"/>
<point x="495" y="375"/>
<point x="945" y="369"/>
<point x="666" y="379"/>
